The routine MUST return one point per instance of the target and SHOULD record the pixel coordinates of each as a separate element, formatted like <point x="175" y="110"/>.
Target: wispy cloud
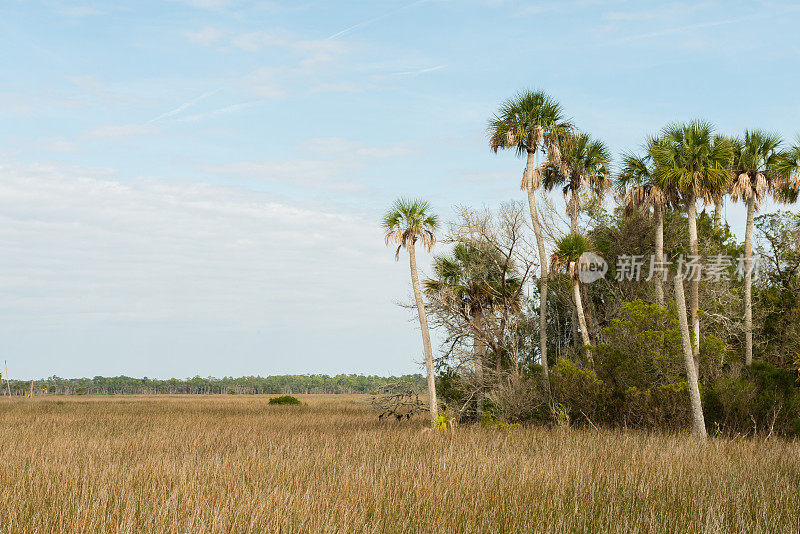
<point x="373" y="20"/>
<point x="184" y="106"/>
<point x="233" y="108"/>
<point x="675" y="30"/>
<point x="413" y="73"/>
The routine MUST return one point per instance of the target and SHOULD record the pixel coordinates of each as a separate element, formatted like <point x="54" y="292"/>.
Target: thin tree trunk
<point x="691" y="210"/>
<point x="576" y="293"/>
<point x="688" y="358"/>
<point x="543" y="278"/>
<point x="748" y="282"/>
<point x="659" y="253"/>
<point x="717" y="213"/>
<point x="426" y="337"/>
<point x="479" y="354"/>
<point x="573" y="208"/>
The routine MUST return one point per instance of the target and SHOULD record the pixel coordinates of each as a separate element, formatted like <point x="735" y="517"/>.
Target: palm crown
<point x="569" y="250"/>
<point x="787" y="167"/>
<point x="754" y="165"/>
<point x="638" y="186"/>
<point x="409" y="221"/>
<point x="528" y="122"/>
<point x="471" y="277"/>
<point x="690" y="159"/>
<point x="585" y="165"/>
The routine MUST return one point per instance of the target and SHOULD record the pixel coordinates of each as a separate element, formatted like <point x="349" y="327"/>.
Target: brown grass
<point x="234" y="464"/>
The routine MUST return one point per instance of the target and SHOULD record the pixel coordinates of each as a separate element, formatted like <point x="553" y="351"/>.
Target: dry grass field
<point x="234" y="464"/>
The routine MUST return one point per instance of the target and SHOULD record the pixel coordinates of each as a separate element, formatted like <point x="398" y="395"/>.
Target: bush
<point x="763" y="399"/>
<point x="580" y="391"/>
<point x="285" y="400"/>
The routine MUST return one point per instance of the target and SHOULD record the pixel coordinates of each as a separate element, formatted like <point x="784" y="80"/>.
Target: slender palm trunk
<point x="717" y="213"/>
<point x="576" y="293"/>
<point x="659" y="252"/>
<point x="479" y="352"/>
<point x="748" y="282"/>
<point x="691" y="210"/>
<point x="426" y="337"/>
<point x="688" y="358"/>
<point x="573" y="208"/>
<point x="537" y="230"/>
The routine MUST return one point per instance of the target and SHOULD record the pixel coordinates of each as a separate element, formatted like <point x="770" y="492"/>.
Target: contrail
<point x="678" y="29"/>
<point x="184" y="106"/>
<point x="370" y="21"/>
<point x="418" y="72"/>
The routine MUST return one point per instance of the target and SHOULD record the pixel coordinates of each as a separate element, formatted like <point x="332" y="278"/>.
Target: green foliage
<point x="285" y="400"/>
<point x="764" y="398"/>
<point x="489" y="421"/>
<point x="579" y="390"/>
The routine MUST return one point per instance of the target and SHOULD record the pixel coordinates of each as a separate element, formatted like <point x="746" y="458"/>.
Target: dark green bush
<point x="285" y="400"/>
<point x="580" y="391"/>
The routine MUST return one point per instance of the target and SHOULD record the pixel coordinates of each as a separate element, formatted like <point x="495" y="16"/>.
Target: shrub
<point x="285" y="400"/>
<point x="579" y="390"/>
<point x="763" y="399"/>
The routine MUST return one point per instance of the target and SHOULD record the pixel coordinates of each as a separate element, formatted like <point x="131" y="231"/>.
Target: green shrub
<point x="763" y="399"/>
<point x="285" y="400"/>
<point x="578" y="389"/>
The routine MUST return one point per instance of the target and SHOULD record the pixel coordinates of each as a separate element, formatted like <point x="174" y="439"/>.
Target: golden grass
<point x="233" y="464"/>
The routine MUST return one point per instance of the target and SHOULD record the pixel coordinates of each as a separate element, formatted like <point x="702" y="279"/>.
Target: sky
<point x="194" y="187"/>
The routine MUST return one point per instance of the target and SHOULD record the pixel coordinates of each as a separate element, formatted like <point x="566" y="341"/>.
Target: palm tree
<point x="472" y="281"/>
<point x="694" y="162"/>
<point x="565" y="258"/>
<point x="532" y="123"/>
<point x="640" y="192"/>
<point x="754" y="160"/>
<point x="585" y="164"/>
<point x="407" y="222"/>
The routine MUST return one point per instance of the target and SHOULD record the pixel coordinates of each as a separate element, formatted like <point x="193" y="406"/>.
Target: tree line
<point x="688" y="328"/>
<point x="248" y="385"/>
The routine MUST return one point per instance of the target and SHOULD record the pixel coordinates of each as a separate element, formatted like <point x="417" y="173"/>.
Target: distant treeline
<point x="248" y="385"/>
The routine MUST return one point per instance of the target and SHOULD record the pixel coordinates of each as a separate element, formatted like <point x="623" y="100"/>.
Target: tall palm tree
<point x="640" y="192"/>
<point x="754" y="160"/>
<point x="407" y="222"/>
<point x="694" y="162"/>
<point x="565" y="258"/>
<point x="532" y="123"/>
<point x="585" y="165"/>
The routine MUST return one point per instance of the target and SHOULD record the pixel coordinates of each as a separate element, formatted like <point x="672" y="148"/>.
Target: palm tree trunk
<point x="426" y="337"/>
<point x="479" y="355"/>
<point x="748" y="282"/>
<point x="717" y="213"/>
<point x="688" y="358"/>
<point x="659" y="252"/>
<point x="537" y="230"/>
<point x="691" y="210"/>
<point x="573" y="212"/>
<point x="576" y="293"/>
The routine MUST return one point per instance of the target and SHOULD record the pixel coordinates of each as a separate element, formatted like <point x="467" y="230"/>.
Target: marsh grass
<point x="235" y="464"/>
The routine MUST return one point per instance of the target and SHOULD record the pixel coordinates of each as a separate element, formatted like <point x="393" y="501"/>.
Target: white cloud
<point x="82" y="249"/>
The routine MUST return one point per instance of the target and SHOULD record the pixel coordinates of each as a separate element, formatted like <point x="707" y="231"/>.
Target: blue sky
<point x="194" y="186"/>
